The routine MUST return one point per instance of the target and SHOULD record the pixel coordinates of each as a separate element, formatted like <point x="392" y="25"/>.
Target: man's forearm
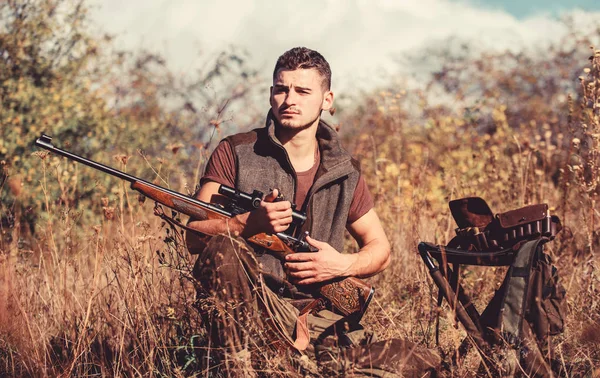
<point x="218" y="226"/>
<point x="371" y="259"/>
<point x="374" y="253"/>
<point x="211" y="227"/>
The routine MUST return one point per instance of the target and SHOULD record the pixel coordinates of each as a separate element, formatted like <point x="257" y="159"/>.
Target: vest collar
<point x="334" y="158"/>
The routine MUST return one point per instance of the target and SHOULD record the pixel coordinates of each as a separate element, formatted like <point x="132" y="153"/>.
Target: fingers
<point x="280" y="225"/>
<point x="311" y="267"/>
<point x="298" y="267"/>
<point x="300" y="271"/>
<point x="315" y="243"/>
<point x="300" y="257"/>
<point x="271" y="217"/>
<point x="279" y="217"/>
<point x="271" y="196"/>
<point x="302" y="275"/>
<point x="278" y="206"/>
<point x="307" y="281"/>
<point x="279" y="214"/>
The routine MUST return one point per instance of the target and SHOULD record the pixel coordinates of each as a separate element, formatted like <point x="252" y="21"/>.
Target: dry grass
<point x="115" y="298"/>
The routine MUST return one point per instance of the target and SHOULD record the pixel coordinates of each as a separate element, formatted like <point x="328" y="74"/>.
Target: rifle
<point x="349" y="296"/>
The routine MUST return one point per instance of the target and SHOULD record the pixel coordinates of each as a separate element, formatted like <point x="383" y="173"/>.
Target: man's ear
<point x="270" y="94"/>
<point x="327" y="101"/>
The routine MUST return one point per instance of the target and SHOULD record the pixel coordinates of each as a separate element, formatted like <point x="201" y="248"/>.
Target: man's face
<point x="298" y="97"/>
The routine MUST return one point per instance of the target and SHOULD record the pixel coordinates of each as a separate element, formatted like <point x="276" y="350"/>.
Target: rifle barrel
<point x="45" y="141"/>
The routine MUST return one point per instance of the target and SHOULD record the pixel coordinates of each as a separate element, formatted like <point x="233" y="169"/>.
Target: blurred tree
<point x="45" y="53"/>
<point x="532" y="84"/>
<point x="495" y="125"/>
<point x="61" y="77"/>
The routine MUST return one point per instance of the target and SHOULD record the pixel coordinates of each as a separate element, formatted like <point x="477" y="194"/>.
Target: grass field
<point x="114" y="295"/>
<point x="93" y="284"/>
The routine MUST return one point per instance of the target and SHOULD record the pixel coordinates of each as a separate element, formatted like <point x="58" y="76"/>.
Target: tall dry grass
<point x="115" y="297"/>
<point x="112" y="294"/>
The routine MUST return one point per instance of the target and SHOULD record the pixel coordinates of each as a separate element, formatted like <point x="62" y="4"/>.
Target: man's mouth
<point x="289" y="112"/>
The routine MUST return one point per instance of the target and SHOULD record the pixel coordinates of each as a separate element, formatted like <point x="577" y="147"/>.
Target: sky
<point x="527" y="8"/>
<point x="363" y="40"/>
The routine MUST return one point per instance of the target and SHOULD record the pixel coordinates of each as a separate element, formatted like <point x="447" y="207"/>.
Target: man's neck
<point x="301" y="146"/>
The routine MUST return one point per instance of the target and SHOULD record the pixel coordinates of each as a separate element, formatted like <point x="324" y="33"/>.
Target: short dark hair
<point x="304" y="58"/>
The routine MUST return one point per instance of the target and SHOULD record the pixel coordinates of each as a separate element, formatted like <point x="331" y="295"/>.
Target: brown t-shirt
<point x="221" y="169"/>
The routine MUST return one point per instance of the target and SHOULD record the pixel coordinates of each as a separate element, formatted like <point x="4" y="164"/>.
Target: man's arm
<point x="327" y="263"/>
<point x="270" y="217"/>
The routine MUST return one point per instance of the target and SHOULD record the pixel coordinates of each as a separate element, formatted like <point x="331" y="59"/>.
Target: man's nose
<point x="290" y="98"/>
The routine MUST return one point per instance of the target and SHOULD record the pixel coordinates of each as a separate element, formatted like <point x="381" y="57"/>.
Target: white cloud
<point x="358" y="37"/>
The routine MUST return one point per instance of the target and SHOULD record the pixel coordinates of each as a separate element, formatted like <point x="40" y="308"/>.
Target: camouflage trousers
<point x="246" y="317"/>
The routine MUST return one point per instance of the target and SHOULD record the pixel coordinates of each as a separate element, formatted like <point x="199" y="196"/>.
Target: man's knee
<point x="223" y="248"/>
<point x="222" y="260"/>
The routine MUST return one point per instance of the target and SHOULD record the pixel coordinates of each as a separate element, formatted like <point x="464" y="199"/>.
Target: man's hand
<point x="270" y="217"/>
<point x="325" y="264"/>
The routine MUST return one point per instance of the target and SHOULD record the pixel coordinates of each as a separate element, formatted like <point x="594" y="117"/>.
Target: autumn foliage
<point x="91" y="283"/>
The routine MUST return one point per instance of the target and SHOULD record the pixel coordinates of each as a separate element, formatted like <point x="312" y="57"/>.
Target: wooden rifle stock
<point x="350" y="295"/>
<point x="185" y="206"/>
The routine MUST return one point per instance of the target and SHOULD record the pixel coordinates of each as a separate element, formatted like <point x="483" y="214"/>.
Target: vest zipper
<point x="293" y="172"/>
<point x="307" y="208"/>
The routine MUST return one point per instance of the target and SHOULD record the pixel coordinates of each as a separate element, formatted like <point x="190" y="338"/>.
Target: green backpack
<point x="514" y="332"/>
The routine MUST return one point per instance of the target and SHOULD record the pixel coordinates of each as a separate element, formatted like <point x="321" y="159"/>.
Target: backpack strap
<point x="513" y="325"/>
<point x="514" y="304"/>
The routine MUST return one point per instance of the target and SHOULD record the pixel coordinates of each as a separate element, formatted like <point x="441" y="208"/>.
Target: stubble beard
<point x="291" y="125"/>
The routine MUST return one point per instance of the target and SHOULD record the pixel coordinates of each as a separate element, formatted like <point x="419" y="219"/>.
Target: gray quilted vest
<point x="263" y="164"/>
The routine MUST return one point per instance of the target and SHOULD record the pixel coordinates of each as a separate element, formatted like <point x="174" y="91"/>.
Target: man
<point x="298" y="160"/>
